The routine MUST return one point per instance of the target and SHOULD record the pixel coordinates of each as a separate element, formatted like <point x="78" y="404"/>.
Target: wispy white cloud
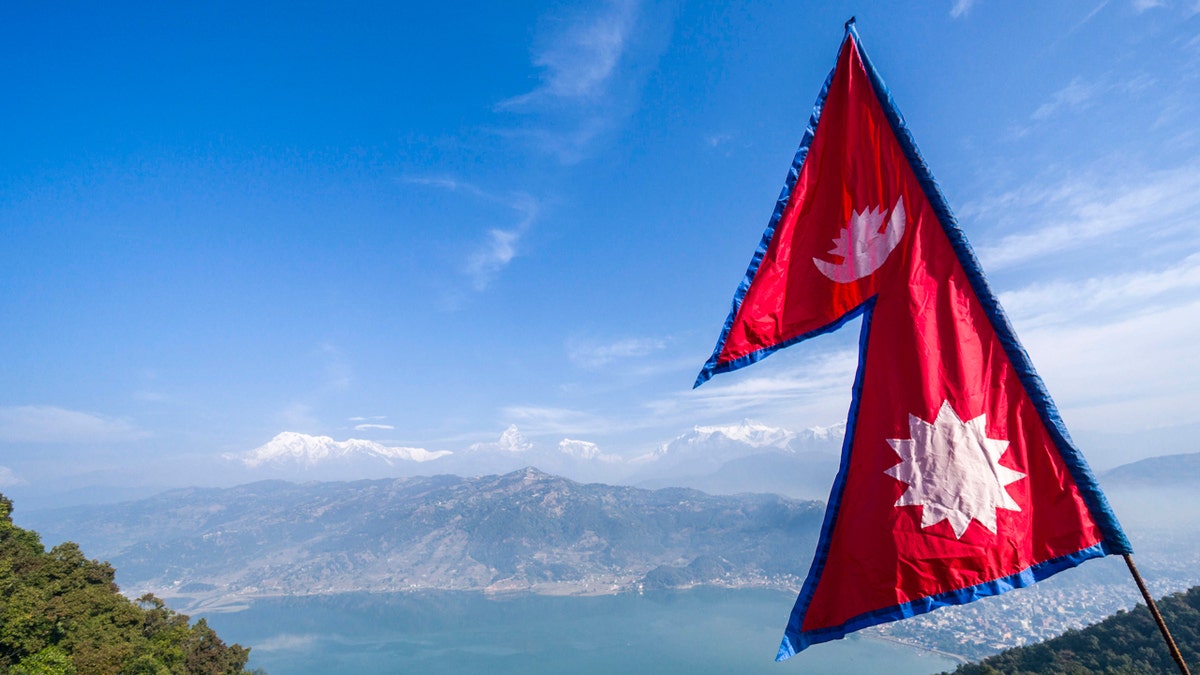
<point x="1075" y="95"/>
<point x="1129" y="374"/>
<point x="1140" y="6"/>
<point x="570" y="143"/>
<point x="1080" y="94"/>
<point x="1114" y="337"/>
<point x="717" y="140"/>
<point x="961" y="8"/>
<point x="1080" y="23"/>
<point x="288" y="642"/>
<point x="500" y="245"/>
<point x="545" y="420"/>
<point x="1105" y="299"/>
<point x="492" y="256"/>
<point x="579" y="58"/>
<point x="1117" y="351"/>
<point x="1084" y="210"/>
<point x="368" y="427"/>
<point x="578" y="62"/>
<point x="585" y="450"/>
<point x="338" y="373"/>
<point x="1090" y="15"/>
<point x="591" y="355"/>
<point x="50" y="424"/>
<point x="803" y="388"/>
<point x="10" y="479"/>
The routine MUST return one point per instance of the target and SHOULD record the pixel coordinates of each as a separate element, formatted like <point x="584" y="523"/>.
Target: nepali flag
<point x="958" y="479"/>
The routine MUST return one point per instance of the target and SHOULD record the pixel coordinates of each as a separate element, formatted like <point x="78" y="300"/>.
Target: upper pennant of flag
<point x="863" y="245"/>
<point x="849" y="186"/>
<point x="953" y="471"/>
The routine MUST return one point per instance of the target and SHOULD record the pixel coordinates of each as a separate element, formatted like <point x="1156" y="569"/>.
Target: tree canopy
<point x="62" y="614"/>
<point x="1126" y="643"/>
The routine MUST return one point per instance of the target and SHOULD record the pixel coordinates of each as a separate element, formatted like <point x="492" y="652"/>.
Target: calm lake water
<point x="697" y="631"/>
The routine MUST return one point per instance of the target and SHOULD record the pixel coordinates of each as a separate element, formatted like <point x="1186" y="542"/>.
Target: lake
<point x="698" y="631"/>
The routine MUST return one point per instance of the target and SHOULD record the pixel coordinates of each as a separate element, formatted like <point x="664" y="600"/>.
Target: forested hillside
<point x="62" y="614"/>
<point x="1126" y="643"/>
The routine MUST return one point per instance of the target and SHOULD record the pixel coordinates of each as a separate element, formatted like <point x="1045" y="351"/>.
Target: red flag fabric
<point x="958" y="479"/>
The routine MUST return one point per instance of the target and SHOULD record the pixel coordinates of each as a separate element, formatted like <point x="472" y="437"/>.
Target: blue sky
<point x="421" y="225"/>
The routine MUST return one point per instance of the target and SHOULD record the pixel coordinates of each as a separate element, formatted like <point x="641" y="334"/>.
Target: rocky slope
<point x="522" y="531"/>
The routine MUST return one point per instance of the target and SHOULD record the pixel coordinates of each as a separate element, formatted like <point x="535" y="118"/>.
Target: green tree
<point x="49" y="661"/>
<point x="62" y="614"/>
<point x="1126" y="643"/>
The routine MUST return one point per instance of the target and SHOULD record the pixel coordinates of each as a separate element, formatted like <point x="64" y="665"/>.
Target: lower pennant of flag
<point x="939" y="506"/>
<point x="958" y="479"/>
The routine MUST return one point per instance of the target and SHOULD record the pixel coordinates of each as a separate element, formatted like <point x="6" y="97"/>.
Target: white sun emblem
<point x="953" y="471"/>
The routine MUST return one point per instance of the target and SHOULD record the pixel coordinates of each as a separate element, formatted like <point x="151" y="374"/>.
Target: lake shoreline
<point x="222" y="602"/>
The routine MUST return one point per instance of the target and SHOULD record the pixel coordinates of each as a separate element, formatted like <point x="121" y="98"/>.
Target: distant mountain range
<point x="1166" y="471"/>
<point x="745" y="457"/>
<point x="522" y="531"/>
<point x="290" y="447"/>
<point x="527" y="531"/>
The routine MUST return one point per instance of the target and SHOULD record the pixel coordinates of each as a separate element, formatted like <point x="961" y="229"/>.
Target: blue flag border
<point x="714" y="365"/>
<point x="1114" y="539"/>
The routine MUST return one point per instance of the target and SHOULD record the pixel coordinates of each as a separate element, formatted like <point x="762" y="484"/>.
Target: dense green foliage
<point x="1125" y="643"/>
<point x="62" y="614"/>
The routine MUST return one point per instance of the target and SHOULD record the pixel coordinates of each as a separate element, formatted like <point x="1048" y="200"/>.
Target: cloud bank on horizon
<point x="346" y="227"/>
<point x="721" y="458"/>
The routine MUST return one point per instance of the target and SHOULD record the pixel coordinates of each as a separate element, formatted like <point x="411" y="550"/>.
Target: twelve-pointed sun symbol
<point x="953" y="470"/>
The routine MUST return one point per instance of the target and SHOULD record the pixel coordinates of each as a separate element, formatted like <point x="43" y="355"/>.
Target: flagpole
<point x="1162" y="625"/>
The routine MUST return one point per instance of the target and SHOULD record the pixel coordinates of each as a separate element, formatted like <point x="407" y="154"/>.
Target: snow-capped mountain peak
<point x="748" y="435"/>
<point x="734" y="440"/>
<point x="834" y="432"/>
<point x="512" y="440"/>
<point x="290" y="447"/>
<point x="751" y="433"/>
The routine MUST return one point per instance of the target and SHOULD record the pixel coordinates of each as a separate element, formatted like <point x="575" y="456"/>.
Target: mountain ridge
<point x="524" y="531"/>
<point x="1160" y="471"/>
<point x="700" y="457"/>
